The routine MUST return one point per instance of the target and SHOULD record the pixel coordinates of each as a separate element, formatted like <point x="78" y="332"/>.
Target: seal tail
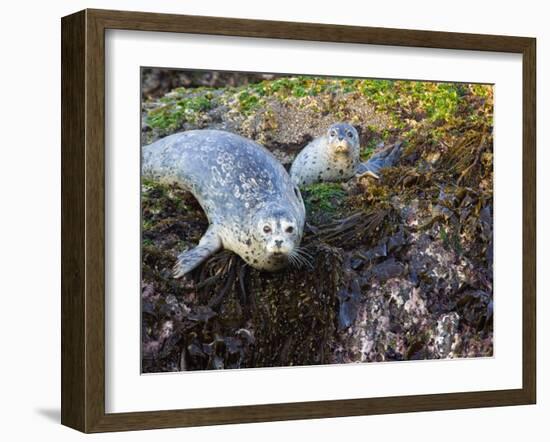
<point x="384" y="158"/>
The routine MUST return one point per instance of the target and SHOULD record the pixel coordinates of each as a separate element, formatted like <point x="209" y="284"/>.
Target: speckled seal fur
<point x="253" y="207"/>
<point x="336" y="157"/>
<point x="331" y="157"/>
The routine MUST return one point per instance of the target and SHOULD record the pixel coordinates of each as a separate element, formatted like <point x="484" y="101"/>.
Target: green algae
<point x="174" y="112"/>
<point x="322" y="198"/>
<point x="401" y="99"/>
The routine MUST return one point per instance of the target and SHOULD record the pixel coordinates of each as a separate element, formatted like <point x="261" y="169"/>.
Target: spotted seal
<point x="249" y="199"/>
<point x="335" y="156"/>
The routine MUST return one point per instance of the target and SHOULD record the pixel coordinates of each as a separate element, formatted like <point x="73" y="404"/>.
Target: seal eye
<point x="267" y="229"/>
<point x="332" y="133"/>
<point x="289" y="229"/>
<point x="350" y="134"/>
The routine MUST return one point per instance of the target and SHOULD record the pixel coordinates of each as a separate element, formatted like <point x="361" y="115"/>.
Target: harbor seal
<point x="335" y="156"/>
<point x="331" y="157"/>
<point x="249" y="199"/>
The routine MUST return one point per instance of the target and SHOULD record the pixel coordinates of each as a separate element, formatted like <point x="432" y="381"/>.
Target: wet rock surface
<point x="400" y="268"/>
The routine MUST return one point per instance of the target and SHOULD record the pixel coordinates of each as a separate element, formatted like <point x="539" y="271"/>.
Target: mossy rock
<point x="394" y="261"/>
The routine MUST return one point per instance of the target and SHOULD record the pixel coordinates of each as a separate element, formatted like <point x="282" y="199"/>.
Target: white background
<point x="128" y="391"/>
<point x="30" y="217"/>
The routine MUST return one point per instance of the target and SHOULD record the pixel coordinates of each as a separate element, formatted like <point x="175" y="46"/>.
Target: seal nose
<point x="279" y="243"/>
<point x="342" y="148"/>
<point x="340" y="138"/>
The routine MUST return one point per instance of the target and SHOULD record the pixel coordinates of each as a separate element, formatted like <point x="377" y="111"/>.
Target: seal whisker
<point x="298" y="259"/>
<point x="293" y="262"/>
<point x="303" y="252"/>
<point x="308" y="262"/>
<point x="304" y="262"/>
<point x="304" y="255"/>
<point x="292" y="259"/>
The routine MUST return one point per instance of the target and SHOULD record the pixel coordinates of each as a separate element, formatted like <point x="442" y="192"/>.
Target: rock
<point x="446" y="333"/>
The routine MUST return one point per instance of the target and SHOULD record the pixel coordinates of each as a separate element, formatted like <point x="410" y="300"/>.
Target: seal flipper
<point x="384" y="158"/>
<point x="209" y="244"/>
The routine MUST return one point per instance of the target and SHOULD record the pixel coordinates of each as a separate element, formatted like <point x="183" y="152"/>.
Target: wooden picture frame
<point x="83" y="220"/>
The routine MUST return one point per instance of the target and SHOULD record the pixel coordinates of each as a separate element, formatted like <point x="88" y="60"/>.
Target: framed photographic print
<point x="267" y="221"/>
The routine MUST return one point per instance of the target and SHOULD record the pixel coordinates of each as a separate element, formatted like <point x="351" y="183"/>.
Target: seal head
<point x="343" y="140"/>
<point x="276" y="236"/>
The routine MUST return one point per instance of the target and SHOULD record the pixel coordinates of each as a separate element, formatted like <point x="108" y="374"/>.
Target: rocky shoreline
<point x="402" y="266"/>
